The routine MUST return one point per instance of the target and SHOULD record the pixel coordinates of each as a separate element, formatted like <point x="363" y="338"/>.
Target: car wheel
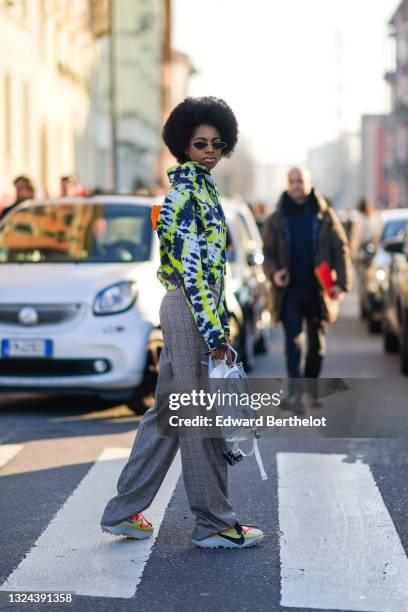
<point x="260" y="345"/>
<point x="143" y="395"/>
<point x="248" y="353"/>
<point x="390" y="340"/>
<point x="363" y="312"/>
<point x="374" y="327"/>
<point x="404" y="345"/>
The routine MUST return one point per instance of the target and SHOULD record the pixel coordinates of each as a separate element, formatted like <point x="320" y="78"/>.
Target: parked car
<point x="79" y="306"/>
<point x="395" y="328"/>
<point x="373" y="268"/>
<point x="245" y="257"/>
<point x="253" y="244"/>
<point x="79" y="312"/>
<point x="252" y="238"/>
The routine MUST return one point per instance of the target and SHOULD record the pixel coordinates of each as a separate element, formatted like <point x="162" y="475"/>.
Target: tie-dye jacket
<point x="192" y="233"/>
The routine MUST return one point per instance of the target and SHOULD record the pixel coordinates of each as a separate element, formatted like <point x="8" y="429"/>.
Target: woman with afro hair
<point x="192" y="233"/>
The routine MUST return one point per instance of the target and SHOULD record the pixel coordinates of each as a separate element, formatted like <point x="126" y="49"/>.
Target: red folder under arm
<point x="325" y="278"/>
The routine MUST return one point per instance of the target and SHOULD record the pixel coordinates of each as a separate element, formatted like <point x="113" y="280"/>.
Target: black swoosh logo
<point x="239" y="541"/>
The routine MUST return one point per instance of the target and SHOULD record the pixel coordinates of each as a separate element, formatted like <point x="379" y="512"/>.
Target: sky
<point x="286" y="66"/>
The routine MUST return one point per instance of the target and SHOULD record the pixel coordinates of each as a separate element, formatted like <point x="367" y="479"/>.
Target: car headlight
<point x="115" y="298"/>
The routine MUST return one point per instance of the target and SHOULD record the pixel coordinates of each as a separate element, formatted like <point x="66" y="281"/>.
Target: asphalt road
<point x="333" y="510"/>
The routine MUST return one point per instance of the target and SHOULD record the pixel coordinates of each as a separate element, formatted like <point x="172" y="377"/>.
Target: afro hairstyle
<point x="191" y="113"/>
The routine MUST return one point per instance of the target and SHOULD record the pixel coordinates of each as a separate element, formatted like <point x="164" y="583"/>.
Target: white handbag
<point x="236" y="434"/>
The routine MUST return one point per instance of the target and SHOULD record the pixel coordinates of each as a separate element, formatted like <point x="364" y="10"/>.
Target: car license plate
<point x="21" y="347"/>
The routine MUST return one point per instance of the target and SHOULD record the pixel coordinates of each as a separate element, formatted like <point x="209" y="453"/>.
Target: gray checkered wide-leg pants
<point x="205" y="470"/>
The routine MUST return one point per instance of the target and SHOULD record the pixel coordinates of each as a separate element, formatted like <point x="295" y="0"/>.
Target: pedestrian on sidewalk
<point x="366" y="228"/>
<point x="69" y="186"/>
<point x="192" y="233"/>
<point x="24" y="188"/>
<point x="301" y="234"/>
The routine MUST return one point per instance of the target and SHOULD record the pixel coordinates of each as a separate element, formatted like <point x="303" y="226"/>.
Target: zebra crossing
<point x="339" y="548"/>
<point x="8" y="452"/>
<point x="73" y="541"/>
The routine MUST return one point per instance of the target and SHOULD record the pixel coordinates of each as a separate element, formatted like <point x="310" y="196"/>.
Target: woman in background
<point x="366" y="227"/>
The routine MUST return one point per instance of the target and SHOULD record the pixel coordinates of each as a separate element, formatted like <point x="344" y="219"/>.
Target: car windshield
<point x="76" y="233"/>
<point x="392" y="228"/>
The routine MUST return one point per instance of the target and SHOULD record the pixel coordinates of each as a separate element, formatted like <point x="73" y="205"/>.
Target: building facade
<point x="47" y="54"/>
<point x="237" y="174"/>
<point x="82" y="90"/>
<point x="335" y="168"/>
<point x="270" y="181"/>
<point x="398" y="122"/>
<point x="176" y="78"/>
<point x="127" y="100"/>
<point x="375" y="159"/>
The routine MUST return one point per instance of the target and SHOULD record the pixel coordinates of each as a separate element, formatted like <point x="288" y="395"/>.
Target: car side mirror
<point x="393" y="246"/>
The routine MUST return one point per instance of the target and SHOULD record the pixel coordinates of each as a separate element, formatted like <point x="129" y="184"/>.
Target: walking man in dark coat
<point x="300" y="235"/>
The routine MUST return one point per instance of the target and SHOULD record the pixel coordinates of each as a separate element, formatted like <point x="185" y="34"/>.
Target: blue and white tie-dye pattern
<point x="192" y="233"/>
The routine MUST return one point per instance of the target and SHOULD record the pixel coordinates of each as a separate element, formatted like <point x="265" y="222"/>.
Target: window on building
<point x="402" y="49"/>
<point x="26" y="124"/>
<point x="42" y="29"/>
<point x="44" y="156"/>
<point x="8" y="119"/>
<point x="15" y="8"/>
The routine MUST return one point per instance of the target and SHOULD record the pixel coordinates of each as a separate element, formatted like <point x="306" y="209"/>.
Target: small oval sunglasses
<point x="218" y="145"/>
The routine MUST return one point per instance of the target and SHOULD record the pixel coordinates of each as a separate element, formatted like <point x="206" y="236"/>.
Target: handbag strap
<point x="254" y="451"/>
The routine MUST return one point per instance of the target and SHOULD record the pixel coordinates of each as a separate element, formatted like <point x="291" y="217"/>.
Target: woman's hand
<point x="220" y="353"/>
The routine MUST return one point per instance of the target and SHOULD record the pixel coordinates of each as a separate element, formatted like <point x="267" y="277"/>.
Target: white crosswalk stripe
<point x="8" y="452"/>
<point x="73" y="555"/>
<point x="339" y="548"/>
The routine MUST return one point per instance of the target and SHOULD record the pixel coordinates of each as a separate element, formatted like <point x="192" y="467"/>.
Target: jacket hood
<point x="189" y="171"/>
<point x="314" y="194"/>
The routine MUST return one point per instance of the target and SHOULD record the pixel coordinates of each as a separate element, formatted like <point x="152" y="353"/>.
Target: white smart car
<point x="79" y="299"/>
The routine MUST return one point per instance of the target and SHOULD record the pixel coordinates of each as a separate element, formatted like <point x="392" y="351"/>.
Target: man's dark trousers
<point x="303" y="304"/>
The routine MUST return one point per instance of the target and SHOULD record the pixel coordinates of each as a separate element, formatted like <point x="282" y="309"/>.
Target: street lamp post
<point x="113" y="100"/>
